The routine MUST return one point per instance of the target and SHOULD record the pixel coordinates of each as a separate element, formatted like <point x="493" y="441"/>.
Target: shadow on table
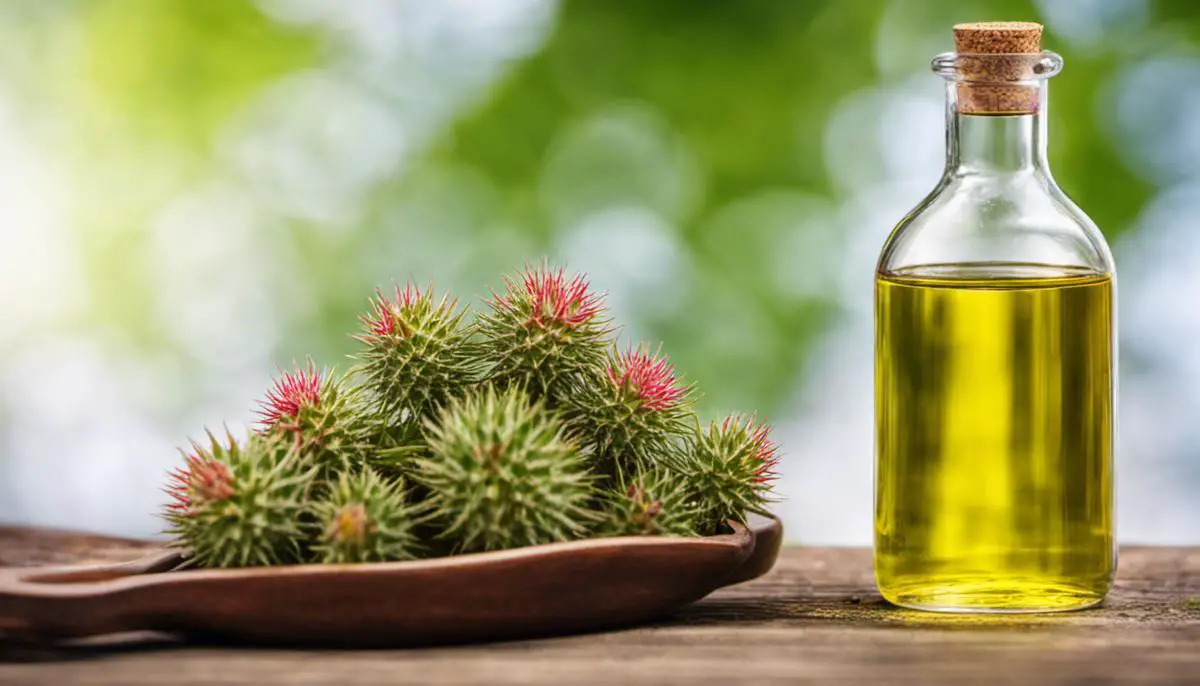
<point x="859" y="610"/>
<point x="22" y="651"/>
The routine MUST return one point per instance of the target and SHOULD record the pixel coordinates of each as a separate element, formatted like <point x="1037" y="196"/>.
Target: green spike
<point x="545" y="333"/>
<point x="364" y="518"/>
<point x="501" y="475"/>
<point x="633" y="414"/>
<point x="325" y="418"/>
<point x="417" y="354"/>
<point x="729" y="469"/>
<point x="240" y="505"/>
<point x="650" y="502"/>
<point x="398" y="444"/>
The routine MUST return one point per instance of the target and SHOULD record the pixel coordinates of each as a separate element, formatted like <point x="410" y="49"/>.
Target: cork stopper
<point x="995" y="64"/>
<point x="998" y="37"/>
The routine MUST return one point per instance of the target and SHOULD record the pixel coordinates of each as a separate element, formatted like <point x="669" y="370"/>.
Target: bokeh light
<point x="194" y="194"/>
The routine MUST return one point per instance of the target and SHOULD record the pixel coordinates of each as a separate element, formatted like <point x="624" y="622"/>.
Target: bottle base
<point x="991" y="596"/>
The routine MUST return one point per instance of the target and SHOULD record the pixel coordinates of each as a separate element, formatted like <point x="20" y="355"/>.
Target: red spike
<point x="765" y="450"/>
<point x="651" y="379"/>
<point x="291" y="393"/>
<point x="410" y="296"/>
<point x="380" y="321"/>
<point x="552" y="298"/>
<point x="203" y="479"/>
<point x="212" y="481"/>
<point x="384" y="317"/>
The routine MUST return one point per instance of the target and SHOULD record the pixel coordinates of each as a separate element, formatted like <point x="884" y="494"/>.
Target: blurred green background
<point x="193" y="194"/>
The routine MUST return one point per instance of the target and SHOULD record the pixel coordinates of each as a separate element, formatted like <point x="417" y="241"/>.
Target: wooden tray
<point x="539" y="591"/>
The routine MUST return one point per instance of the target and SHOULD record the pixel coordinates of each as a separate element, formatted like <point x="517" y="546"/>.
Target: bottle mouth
<point x="997" y="68"/>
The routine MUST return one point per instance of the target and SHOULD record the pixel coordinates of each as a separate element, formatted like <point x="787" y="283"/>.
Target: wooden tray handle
<point x="79" y="595"/>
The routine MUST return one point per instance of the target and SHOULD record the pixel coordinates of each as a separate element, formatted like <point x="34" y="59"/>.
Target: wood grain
<point x="815" y="619"/>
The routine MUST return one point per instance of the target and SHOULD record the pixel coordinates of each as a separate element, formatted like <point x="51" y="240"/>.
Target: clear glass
<point x="995" y="377"/>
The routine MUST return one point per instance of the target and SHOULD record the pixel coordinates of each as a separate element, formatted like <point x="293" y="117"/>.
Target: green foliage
<point x="689" y="110"/>
<point x="711" y="116"/>
<point x="501" y="475"/>
<point x="240" y="504"/>
<point x="417" y="353"/>
<point x="185" y="93"/>
<point x="714" y="116"/>
<point x="364" y="519"/>
<point x="652" y="502"/>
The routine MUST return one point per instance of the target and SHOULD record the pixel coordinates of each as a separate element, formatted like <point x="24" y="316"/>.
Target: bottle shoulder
<point x="1018" y="218"/>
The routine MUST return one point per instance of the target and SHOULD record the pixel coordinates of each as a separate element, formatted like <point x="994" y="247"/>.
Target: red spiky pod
<point x="202" y="480"/>
<point x="729" y="469"/>
<point x="323" y="416"/>
<point x="545" y="333"/>
<point x="239" y="504"/>
<point x="633" y="413"/>
<point x="417" y="354"/>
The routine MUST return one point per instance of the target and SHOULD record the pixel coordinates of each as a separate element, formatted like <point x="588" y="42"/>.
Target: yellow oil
<point x="994" y="443"/>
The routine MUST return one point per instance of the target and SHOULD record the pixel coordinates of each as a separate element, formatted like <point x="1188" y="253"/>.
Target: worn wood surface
<point x="815" y="619"/>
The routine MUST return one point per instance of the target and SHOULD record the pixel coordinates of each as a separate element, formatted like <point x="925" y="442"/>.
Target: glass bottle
<point x="995" y="360"/>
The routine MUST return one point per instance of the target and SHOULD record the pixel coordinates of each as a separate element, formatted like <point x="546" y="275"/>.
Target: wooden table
<point x="816" y="618"/>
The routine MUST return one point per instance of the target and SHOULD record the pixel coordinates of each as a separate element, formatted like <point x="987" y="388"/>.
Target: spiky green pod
<point x="729" y="470"/>
<point x="324" y="417"/>
<point x="417" y="354"/>
<point x="632" y="414"/>
<point x="399" y="443"/>
<point x="240" y="505"/>
<point x="501" y="475"/>
<point x="545" y="334"/>
<point x="653" y="502"/>
<point x="364" y="518"/>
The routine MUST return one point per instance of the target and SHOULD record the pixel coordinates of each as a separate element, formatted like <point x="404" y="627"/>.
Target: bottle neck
<point x="982" y="144"/>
